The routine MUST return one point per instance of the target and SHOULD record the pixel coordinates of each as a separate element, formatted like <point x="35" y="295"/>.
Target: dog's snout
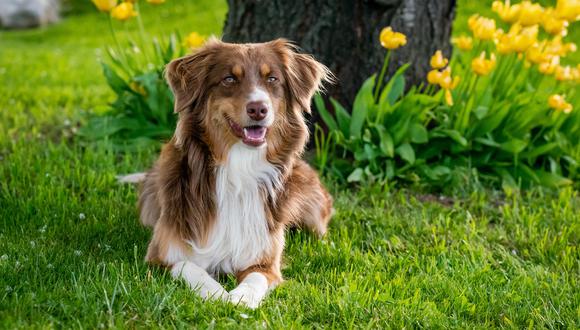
<point x="257" y="110"/>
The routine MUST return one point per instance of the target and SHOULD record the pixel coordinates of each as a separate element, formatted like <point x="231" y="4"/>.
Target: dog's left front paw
<point x="245" y="295"/>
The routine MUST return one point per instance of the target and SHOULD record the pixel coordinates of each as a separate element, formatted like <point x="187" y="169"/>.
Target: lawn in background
<point x="71" y="248"/>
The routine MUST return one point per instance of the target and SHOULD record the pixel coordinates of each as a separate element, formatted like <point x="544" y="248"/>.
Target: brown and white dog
<point x="231" y="179"/>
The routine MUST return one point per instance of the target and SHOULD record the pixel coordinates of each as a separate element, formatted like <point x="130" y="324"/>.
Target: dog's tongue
<point x="254" y="135"/>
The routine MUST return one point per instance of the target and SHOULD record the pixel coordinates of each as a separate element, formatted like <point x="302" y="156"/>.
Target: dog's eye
<point x="229" y="80"/>
<point x="272" y="79"/>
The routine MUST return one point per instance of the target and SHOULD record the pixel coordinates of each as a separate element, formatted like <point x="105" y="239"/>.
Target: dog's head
<point x="253" y="93"/>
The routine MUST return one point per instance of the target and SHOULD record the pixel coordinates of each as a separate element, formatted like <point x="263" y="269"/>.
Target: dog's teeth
<point x="245" y="131"/>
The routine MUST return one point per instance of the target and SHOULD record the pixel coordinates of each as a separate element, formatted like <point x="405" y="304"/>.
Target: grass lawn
<point x="71" y="248"/>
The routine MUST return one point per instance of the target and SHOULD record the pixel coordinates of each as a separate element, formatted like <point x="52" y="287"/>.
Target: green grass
<point x="391" y="259"/>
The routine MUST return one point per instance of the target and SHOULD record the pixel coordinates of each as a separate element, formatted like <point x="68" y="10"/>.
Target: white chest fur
<point x="240" y="234"/>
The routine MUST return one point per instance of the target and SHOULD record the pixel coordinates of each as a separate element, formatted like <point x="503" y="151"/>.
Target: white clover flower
<point x="82" y="216"/>
<point x="78" y="252"/>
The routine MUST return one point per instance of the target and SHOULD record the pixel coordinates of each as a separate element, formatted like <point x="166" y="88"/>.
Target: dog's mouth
<point x="254" y="135"/>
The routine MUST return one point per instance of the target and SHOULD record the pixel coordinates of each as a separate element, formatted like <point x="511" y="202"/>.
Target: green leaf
<point x="492" y="121"/>
<point x="456" y="136"/>
<point x="480" y="111"/>
<point x="324" y="114"/>
<point x="356" y="175"/>
<point x="362" y="103"/>
<point x="397" y="89"/>
<point x="390" y="93"/>
<point x="406" y="152"/>
<point x="540" y="150"/>
<point x="386" y="144"/>
<point x="514" y="146"/>
<point x="418" y="133"/>
<point x="117" y="84"/>
<point x="342" y="117"/>
<point x="552" y="180"/>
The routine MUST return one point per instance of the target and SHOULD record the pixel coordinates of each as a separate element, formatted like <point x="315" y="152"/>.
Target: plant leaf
<point x="406" y="152"/>
<point x="324" y="114"/>
<point x="362" y="103"/>
<point x="418" y="133"/>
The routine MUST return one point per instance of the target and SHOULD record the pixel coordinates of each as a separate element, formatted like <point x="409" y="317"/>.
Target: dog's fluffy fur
<point x="229" y="182"/>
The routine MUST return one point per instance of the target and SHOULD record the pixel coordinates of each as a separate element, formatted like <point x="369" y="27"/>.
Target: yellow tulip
<point x="554" y="25"/>
<point x="522" y="38"/>
<point x="557" y="47"/>
<point x="481" y="66"/>
<point x="434" y="77"/>
<point x="536" y="54"/>
<point x="105" y="5"/>
<point x="483" y="28"/>
<point x="549" y="66"/>
<point x="463" y="42"/>
<point x="531" y="13"/>
<point x="123" y="11"/>
<point x="506" y="12"/>
<point x="155" y="2"/>
<point x="446" y="81"/>
<point x="448" y="97"/>
<point x="564" y="73"/>
<point x="392" y="40"/>
<point x="568" y="9"/>
<point x="194" y="40"/>
<point x="558" y="102"/>
<point x="438" y="61"/>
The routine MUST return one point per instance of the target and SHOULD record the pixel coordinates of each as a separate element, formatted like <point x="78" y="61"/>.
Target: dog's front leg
<point x="199" y="280"/>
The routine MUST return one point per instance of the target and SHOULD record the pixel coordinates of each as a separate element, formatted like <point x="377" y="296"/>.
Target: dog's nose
<point x="257" y="110"/>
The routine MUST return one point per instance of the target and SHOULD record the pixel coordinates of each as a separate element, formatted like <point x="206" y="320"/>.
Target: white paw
<point x="245" y="295"/>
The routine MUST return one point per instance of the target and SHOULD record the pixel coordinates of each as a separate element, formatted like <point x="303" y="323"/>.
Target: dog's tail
<point x="132" y="178"/>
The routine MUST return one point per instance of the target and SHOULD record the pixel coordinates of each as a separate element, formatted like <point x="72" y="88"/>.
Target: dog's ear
<point x="186" y="75"/>
<point x="304" y="75"/>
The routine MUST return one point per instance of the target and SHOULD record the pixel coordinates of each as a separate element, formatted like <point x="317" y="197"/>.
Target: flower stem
<point x="381" y="76"/>
<point x="142" y="33"/>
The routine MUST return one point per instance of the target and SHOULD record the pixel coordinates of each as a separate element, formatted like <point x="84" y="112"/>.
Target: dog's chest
<point x="240" y="236"/>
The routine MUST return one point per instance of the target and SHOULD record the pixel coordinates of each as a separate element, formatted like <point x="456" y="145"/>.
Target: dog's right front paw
<point x="246" y="296"/>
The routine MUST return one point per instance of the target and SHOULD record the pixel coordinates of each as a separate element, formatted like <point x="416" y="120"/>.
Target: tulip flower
<point x="530" y="13"/>
<point x="536" y="54"/>
<point x="392" y="40"/>
<point x="558" y="102"/>
<point x="550" y="66"/>
<point x="463" y="42"/>
<point x="568" y="10"/>
<point x="194" y="40"/>
<point x="564" y="73"/>
<point x="105" y="5"/>
<point x="445" y="81"/>
<point x="434" y="77"/>
<point x="522" y="38"/>
<point x="554" y="25"/>
<point x="123" y="11"/>
<point x="507" y="13"/>
<point x="557" y="47"/>
<point x="438" y="61"/>
<point x="482" y="28"/>
<point x="482" y="66"/>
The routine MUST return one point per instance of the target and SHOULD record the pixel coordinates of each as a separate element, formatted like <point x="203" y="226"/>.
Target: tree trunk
<point x="344" y="34"/>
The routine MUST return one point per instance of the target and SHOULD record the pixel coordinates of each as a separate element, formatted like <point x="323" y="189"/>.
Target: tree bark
<point x="344" y="34"/>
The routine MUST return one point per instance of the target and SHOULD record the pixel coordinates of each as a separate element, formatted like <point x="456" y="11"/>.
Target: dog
<point x="231" y="179"/>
